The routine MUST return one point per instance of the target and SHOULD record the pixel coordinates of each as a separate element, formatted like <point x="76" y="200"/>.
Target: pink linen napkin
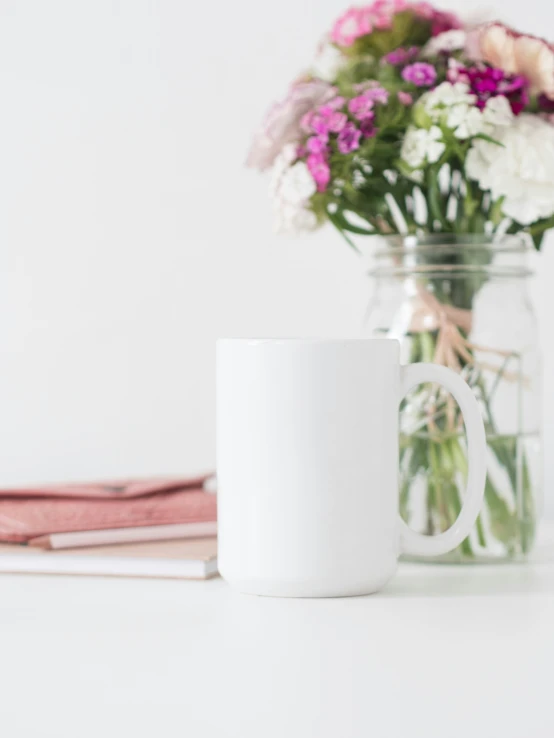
<point x="114" y="489"/>
<point x="39" y="511"/>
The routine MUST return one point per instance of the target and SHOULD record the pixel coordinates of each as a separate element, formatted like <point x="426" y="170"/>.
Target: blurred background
<point x="132" y="236"/>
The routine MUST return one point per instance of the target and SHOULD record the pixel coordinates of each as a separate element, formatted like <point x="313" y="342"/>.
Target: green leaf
<point x="433" y="196"/>
<point x="348" y="226"/>
<point x="338" y="223"/>
<point x="484" y="137"/>
<point x="538" y="229"/>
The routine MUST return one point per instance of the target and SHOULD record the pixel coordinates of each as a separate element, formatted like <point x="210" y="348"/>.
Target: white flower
<point x="433" y="144"/>
<point x="498" y="112"/>
<point x="297" y="184"/>
<point x="328" y="62"/>
<point x="446" y="95"/>
<point x="453" y="105"/>
<point x="282" y="162"/>
<point x="292" y="186"/>
<point x="420" y="146"/>
<point x="521" y="169"/>
<point x="294" y="219"/>
<point x="413" y="147"/>
<point x="447" y="41"/>
<point x="465" y="121"/>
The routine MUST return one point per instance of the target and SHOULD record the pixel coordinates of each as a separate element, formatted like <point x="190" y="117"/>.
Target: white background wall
<point x="131" y="236"/>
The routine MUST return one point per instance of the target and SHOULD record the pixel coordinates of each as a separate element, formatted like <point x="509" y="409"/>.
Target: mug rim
<point x="258" y="341"/>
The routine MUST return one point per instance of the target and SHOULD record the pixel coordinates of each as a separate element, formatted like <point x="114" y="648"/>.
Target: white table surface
<point x="443" y="652"/>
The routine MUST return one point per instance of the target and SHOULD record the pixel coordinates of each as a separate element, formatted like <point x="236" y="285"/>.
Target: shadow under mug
<point x="307" y="464"/>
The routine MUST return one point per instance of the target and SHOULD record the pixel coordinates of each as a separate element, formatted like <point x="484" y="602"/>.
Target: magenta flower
<point x="400" y="56"/>
<point x="320" y="171"/>
<point x="361" y="106"/>
<point x="545" y="104"/>
<point x="349" y="139"/>
<point x="420" y="74"/>
<point x="367" y="128"/>
<point x="440" y="20"/>
<point x="486" y="82"/>
<point x="404" y="97"/>
<point x="443" y="21"/>
<point x="317" y="144"/>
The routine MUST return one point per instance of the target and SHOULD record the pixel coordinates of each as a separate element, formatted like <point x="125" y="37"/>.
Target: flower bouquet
<point x="412" y="127"/>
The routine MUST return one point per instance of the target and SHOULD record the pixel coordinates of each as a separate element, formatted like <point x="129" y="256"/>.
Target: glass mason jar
<point x="462" y="301"/>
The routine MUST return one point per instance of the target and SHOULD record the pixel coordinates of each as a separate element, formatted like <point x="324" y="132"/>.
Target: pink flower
<point x="325" y="120"/>
<point x="285" y="121"/>
<point x="336" y="103"/>
<point x="326" y="111"/>
<point x="421" y="74"/>
<point x="424" y="10"/>
<point x="350" y="26"/>
<point x="361" y="106"/>
<point x="404" y="97"/>
<point x="515" y="53"/>
<point x="382" y="12"/>
<point x="400" y="56"/>
<point x="320" y="171"/>
<point x="337" y="121"/>
<point x="319" y="124"/>
<point x="317" y="144"/>
<point x="306" y="121"/>
<point x="349" y="139"/>
<point x="377" y="94"/>
<point x="357" y="22"/>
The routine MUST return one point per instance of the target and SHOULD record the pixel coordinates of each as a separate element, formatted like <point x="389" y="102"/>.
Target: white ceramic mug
<point x="307" y="464"/>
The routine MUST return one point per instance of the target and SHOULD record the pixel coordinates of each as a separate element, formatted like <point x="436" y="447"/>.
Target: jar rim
<point x="512" y="243"/>
<point x="413" y="254"/>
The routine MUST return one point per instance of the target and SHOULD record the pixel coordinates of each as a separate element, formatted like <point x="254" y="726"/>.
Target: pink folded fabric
<point x="22" y="519"/>
<point x="112" y="490"/>
<point x="31" y="512"/>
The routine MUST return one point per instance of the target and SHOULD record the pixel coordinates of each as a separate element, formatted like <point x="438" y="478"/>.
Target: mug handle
<point x="417" y="544"/>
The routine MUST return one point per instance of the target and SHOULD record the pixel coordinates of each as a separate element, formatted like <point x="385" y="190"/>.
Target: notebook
<point x="111" y="536"/>
<point x="178" y="559"/>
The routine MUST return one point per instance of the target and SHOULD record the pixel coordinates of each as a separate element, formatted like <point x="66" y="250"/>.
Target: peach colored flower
<point x="515" y="53"/>
<point x="497" y="47"/>
<point x="535" y="60"/>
